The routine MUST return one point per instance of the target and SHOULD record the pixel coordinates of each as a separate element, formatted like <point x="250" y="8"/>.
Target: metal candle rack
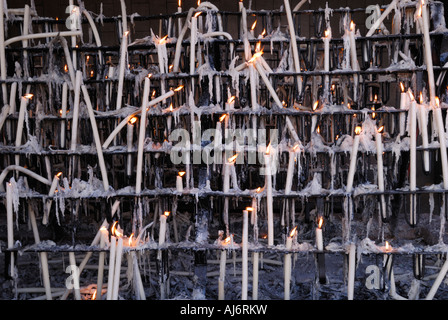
<point x="321" y="166"/>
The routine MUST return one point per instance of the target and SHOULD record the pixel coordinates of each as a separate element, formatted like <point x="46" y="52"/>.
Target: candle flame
<point x="179" y="3"/>
<point x="231" y="100"/>
<point x="221" y="118"/>
<point x="437" y="101"/>
<point x="387" y="246"/>
<point x="114" y="230"/>
<point x="258" y="46"/>
<point x="181" y="173"/>
<point x="171" y="107"/>
<point x="352" y="26"/>
<point x="250" y="209"/>
<point x="178" y="88"/>
<point x="197" y="14"/>
<point x="130" y="239"/>
<point x="255" y="56"/>
<point x="380" y="129"/>
<point x="258" y="190"/>
<point x="65" y="68"/>
<point x="149" y="75"/>
<point x="263" y="33"/>
<point x="315" y="105"/>
<point x="327" y="33"/>
<point x="94" y="295"/>
<point x="411" y="95"/>
<point x="227" y="240"/>
<point x="253" y="25"/>
<point x="293" y="232"/>
<point x="126" y="33"/>
<point x="232" y="159"/>
<point x="132" y="120"/>
<point x="268" y="149"/>
<point x="163" y="40"/>
<point x="420" y="9"/>
<point x="59" y="174"/>
<point x="402" y="86"/>
<point x="28" y="96"/>
<point x="421" y="97"/>
<point x="166" y="213"/>
<point x="358" y="130"/>
<point x="320" y="223"/>
<point x="296" y="147"/>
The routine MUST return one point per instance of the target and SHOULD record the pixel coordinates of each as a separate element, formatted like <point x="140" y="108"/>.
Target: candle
<point x="162" y="230"/>
<point x="227" y="172"/>
<point x="423" y="128"/>
<point x="109" y="84"/>
<point x="63" y="113"/>
<point x="404" y="101"/>
<point x="3" y="64"/>
<point x="110" y="279"/>
<point x="351" y="271"/>
<point x="413" y="158"/>
<point x="74" y="135"/>
<point x="129" y="140"/>
<point x="9" y="215"/>
<point x="290" y="172"/>
<point x="23" y="105"/>
<point x="53" y="187"/>
<point x="295" y="51"/>
<point x="245" y="264"/>
<point x="141" y="137"/>
<point x="326" y="40"/>
<point x="314" y="117"/>
<point x="354" y="59"/>
<point x="179" y="183"/>
<point x="99" y="283"/>
<point x="353" y="158"/>
<point x="287" y="276"/>
<point x="222" y="268"/>
<point x="319" y="236"/>
<point x="442" y="141"/>
<point x="422" y="17"/>
<point x="380" y="171"/>
<point x="270" y="207"/>
<point x="194" y="31"/>
<point x="163" y="59"/>
<point x="255" y="259"/>
<point x="123" y="64"/>
<point x="179" y="10"/>
<point x="117" y="269"/>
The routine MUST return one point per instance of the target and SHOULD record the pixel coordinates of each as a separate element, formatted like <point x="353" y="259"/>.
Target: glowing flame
<point x="268" y="149"/>
<point x="197" y="14"/>
<point x="232" y="159"/>
<point x="179" y="3"/>
<point x="421" y="97"/>
<point x="380" y="129"/>
<point x="59" y="174"/>
<point x="227" y="240"/>
<point x="250" y="209"/>
<point x="167" y="213"/>
<point x="181" y="173"/>
<point x="253" y="25"/>
<point x="320" y="223"/>
<point x="358" y="130"/>
<point x="94" y="295"/>
<point x="327" y="33"/>
<point x="231" y="100"/>
<point x="402" y="86"/>
<point x="411" y="95"/>
<point x="178" y="88"/>
<point x="258" y="190"/>
<point x="163" y="40"/>
<point x="352" y="26"/>
<point x="420" y="9"/>
<point x="126" y="33"/>
<point x="221" y="118"/>
<point x="149" y="75"/>
<point x="387" y="247"/>
<point x="130" y="239"/>
<point x="28" y="96"/>
<point x="133" y="120"/>
<point x="171" y="107"/>
<point x="315" y="105"/>
<point x="255" y="56"/>
<point x="293" y="232"/>
<point x="258" y="46"/>
<point x="66" y="68"/>
<point x="437" y="101"/>
<point x="296" y="147"/>
<point x="114" y="230"/>
<point x="263" y="33"/>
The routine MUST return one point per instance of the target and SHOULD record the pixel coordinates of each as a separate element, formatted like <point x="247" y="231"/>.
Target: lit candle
<point x="380" y="171"/>
<point x="319" y="236"/>
<point x="413" y="158"/>
<point x="179" y="10"/>
<point x="443" y="156"/>
<point x="326" y="39"/>
<point x="179" y="183"/>
<point x="162" y="230"/>
<point x="141" y="137"/>
<point x="99" y="283"/>
<point x="270" y="207"/>
<point x="404" y="101"/>
<point x="193" y="39"/>
<point x="287" y="276"/>
<point x="244" y="252"/>
<point x="23" y="105"/>
<point x="63" y="113"/>
<point x="130" y="140"/>
<point x="423" y="128"/>
<point x="351" y="271"/>
<point x="222" y="268"/>
<point x="353" y="158"/>
<point x="53" y="187"/>
<point x="110" y="279"/>
<point x="123" y="64"/>
<point x="290" y="172"/>
<point x="227" y="171"/>
<point x="118" y="255"/>
<point x="163" y="59"/>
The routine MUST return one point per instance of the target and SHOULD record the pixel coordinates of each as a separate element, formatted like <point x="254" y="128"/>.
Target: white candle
<point x="228" y="171"/>
<point x="53" y="187"/>
<point x="9" y="215"/>
<point x="117" y="271"/>
<point x="351" y="271"/>
<point x="141" y="137"/>
<point x="287" y="271"/>
<point x="422" y="16"/>
<point x="63" y="113"/>
<point x="413" y="157"/>
<point x="74" y="135"/>
<point x="163" y="59"/>
<point x="179" y="182"/>
<point x="443" y="156"/>
<point x="380" y="170"/>
<point x="314" y="117"/>
<point x="295" y="51"/>
<point x="179" y="10"/>
<point x="110" y="279"/>
<point x="162" y="230"/>
<point x="404" y="101"/>
<point x="354" y="59"/>
<point x="423" y="128"/>
<point x="193" y="37"/>
<point x="326" y="39"/>
<point x="290" y="172"/>
<point x="270" y="206"/>
<point x="268" y="84"/>
<point x="130" y="141"/>
<point x="3" y="64"/>
<point x="353" y="158"/>
<point x="123" y="64"/>
<point x="109" y="76"/>
<point x="23" y="105"/>
<point x="319" y="236"/>
<point x="244" y="252"/>
<point x="253" y="87"/>
<point x="222" y="269"/>
<point x="75" y="275"/>
<point x="255" y="259"/>
<point x="99" y="283"/>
